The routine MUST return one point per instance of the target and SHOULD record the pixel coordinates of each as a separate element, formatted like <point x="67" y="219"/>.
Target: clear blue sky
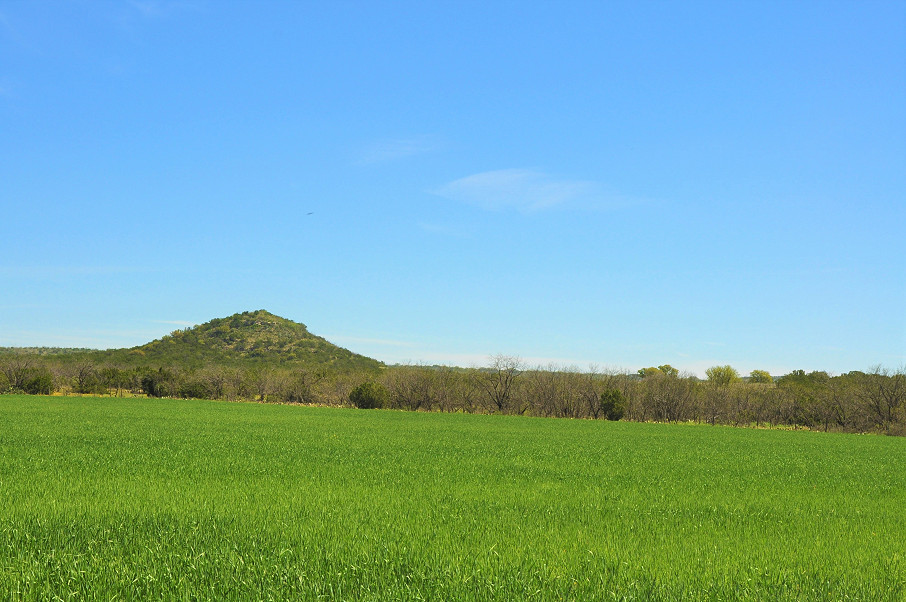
<point x="619" y="183"/>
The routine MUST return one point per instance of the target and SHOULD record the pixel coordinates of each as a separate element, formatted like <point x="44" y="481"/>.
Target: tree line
<point x="873" y="401"/>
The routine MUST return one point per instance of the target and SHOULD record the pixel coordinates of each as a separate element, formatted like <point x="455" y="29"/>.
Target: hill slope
<point x="256" y="337"/>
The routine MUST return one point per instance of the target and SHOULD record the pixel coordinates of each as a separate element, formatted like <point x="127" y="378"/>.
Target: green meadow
<point x="125" y="499"/>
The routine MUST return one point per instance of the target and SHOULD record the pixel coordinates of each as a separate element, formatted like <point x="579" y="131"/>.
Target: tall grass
<point x="106" y="499"/>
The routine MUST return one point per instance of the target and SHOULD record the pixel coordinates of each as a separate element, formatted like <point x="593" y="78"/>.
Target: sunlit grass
<point x="159" y="499"/>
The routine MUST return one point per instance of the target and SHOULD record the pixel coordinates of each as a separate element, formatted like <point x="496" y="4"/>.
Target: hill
<point x="256" y="337"/>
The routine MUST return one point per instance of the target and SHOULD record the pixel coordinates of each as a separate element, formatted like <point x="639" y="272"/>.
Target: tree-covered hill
<point x="256" y="337"/>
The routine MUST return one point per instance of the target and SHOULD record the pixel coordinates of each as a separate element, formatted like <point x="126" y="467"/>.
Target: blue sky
<point x="622" y="184"/>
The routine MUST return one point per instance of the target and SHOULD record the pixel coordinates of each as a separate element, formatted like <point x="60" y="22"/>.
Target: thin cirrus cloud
<point x="385" y="151"/>
<point x="154" y="9"/>
<point x="176" y="322"/>
<point x="527" y="191"/>
<point x="348" y="340"/>
<point x="147" y="8"/>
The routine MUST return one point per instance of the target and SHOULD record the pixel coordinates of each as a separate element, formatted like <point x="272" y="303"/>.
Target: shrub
<point x="38" y="382"/>
<point x="91" y="382"/>
<point x="158" y="384"/>
<point x="612" y="404"/>
<point x="195" y="389"/>
<point x="369" y="395"/>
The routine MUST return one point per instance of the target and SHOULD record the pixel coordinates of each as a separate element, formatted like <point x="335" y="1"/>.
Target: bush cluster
<point x="872" y="401"/>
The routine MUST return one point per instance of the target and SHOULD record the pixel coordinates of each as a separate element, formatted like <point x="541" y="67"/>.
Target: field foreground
<point x="106" y="499"/>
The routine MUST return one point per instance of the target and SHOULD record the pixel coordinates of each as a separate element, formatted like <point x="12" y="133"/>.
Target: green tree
<point x="195" y="388"/>
<point x="722" y="375"/>
<point x="369" y="395"/>
<point x="613" y="406"/>
<point x="160" y="383"/>
<point x="38" y="382"/>
<point x="668" y="370"/>
<point x="116" y="378"/>
<point x="652" y="371"/>
<point x="760" y="376"/>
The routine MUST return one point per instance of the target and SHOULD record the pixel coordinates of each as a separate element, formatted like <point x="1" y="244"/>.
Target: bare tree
<point x="543" y="390"/>
<point x="571" y="401"/>
<point x="884" y="393"/>
<point x="715" y="399"/>
<point x="86" y="378"/>
<point x="301" y="385"/>
<point x="467" y="391"/>
<point x="590" y="386"/>
<point x="260" y="383"/>
<point x="17" y="370"/>
<point x="669" y="398"/>
<point x="499" y="379"/>
<point x="411" y="387"/>
<point x="445" y="389"/>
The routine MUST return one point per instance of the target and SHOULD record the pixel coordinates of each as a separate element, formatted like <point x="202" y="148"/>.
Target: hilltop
<point x="252" y="337"/>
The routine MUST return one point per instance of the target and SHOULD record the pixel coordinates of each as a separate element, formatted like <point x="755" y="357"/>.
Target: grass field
<point x="104" y="499"/>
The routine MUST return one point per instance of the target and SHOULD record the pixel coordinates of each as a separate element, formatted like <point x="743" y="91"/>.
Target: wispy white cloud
<point x="699" y="366"/>
<point x="175" y="322"/>
<point x="521" y="189"/>
<point x="416" y="354"/>
<point x="148" y="8"/>
<point x="13" y="34"/>
<point x="100" y="339"/>
<point x="132" y="17"/>
<point x="346" y="340"/>
<point x="384" y="151"/>
<point x="464" y="360"/>
<point x="481" y="360"/>
<point x="155" y="9"/>
<point x="4" y="22"/>
<point x="527" y="191"/>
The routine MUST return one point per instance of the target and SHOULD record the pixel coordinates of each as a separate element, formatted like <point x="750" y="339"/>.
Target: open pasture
<point x="105" y="499"/>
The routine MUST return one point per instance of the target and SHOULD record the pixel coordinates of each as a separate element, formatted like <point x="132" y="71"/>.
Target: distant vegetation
<point x="43" y="350"/>
<point x="257" y="356"/>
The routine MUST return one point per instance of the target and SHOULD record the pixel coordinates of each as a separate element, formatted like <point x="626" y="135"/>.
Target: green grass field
<point x="104" y="499"/>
